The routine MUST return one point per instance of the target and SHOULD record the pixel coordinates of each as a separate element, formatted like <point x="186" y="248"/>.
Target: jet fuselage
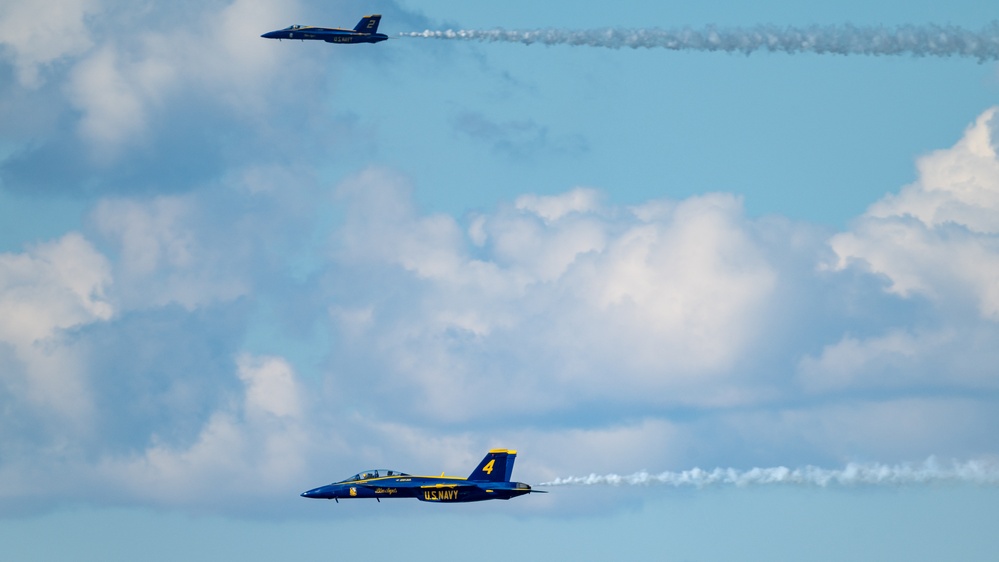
<point x="330" y="35"/>
<point x="366" y="31"/>
<point x="424" y="488"/>
<point x="489" y="481"/>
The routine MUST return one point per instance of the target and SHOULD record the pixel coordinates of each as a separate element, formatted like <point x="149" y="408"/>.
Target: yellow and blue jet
<point x="489" y="481"/>
<point x="366" y="31"/>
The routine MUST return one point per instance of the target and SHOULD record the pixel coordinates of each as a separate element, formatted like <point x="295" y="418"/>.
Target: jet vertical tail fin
<point x="497" y="466"/>
<point x="368" y="24"/>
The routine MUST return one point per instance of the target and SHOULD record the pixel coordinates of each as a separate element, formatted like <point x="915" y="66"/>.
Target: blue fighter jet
<point x="366" y="31"/>
<point x="489" y="481"/>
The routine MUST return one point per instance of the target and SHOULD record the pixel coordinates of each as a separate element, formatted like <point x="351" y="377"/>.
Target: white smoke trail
<point x="929" y="472"/>
<point x="914" y="40"/>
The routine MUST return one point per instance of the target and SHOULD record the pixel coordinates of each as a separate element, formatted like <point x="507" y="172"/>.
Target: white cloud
<point x="949" y="357"/>
<point x="684" y="292"/>
<point x="255" y="448"/>
<point x="937" y="240"/>
<point x="271" y="389"/>
<point x="383" y="226"/>
<point x="246" y="68"/>
<point x="889" y="360"/>
<point x="37" y="34"/>
<point x="937" y="237"/>
<point x="551" y="208"/>
<point x="957" y="185"/>
<point x="115" y="95"/>
<point x="132" y="79"/>
<point x="569" y="227"/>
<point x="170" y="252"/>
<point x="654" y="307"/>
<point x="54" y="286"/>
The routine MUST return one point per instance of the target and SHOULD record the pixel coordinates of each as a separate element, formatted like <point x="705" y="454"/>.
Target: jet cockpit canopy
<point x="375" y="473"/>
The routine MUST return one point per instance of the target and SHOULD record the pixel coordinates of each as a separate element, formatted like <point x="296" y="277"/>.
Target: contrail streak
<point x="915" y="40"/>
<point x="929" y="472"/>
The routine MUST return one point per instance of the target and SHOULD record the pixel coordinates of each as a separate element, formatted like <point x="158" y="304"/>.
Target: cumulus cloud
<point x="934" y="245"/>
<point x="655" y="304"/>
<point x="125" y="83"/>
<point x="937" y="237"/>
<point x="676" y="284"/>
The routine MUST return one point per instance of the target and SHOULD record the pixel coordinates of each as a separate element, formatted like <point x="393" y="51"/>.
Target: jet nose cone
<point x="313" y="493"/>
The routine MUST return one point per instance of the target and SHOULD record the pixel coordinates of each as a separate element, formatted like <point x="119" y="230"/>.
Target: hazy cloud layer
<point x="559" y="323"/>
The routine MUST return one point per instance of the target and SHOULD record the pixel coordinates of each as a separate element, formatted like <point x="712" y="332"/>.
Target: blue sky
<point x="232" y="269"/>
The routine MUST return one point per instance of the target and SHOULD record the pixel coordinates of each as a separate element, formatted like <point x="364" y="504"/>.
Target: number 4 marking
<point x="488" y="469"/>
